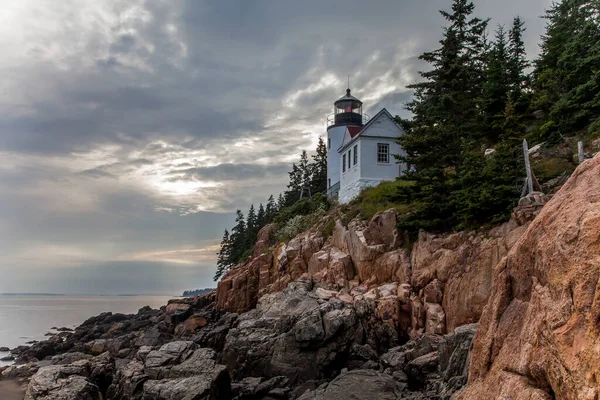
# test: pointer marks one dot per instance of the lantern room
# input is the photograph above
(347, 110)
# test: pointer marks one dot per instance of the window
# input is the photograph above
(328, 143)
(344, 164)
(383, 153)
(349, 158)
(355, 154)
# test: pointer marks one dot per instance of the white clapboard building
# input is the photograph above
(360, 151)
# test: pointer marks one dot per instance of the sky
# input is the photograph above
(131, 130)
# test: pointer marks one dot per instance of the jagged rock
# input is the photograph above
(538, 337)
(263, 239)
(159, 362)
(435, 319)
(290, 334)
(381, 229)
(358, 385)
(69, 358)
(128, 382)
(60, 382)
(213, 335)
(190, 325)
(83, 379)
(434, 292)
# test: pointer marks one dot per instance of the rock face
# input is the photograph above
(295, 333)
(539, 335)
(359, 385)
(358, 315)
(445, 282)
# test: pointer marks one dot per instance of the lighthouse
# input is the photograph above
(347, 117)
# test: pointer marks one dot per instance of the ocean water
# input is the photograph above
(24, 317)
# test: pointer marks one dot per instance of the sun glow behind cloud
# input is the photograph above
(131, 130)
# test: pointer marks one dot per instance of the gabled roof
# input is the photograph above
(352, 137)
(354, 130)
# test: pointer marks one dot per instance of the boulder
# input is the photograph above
(357, 385)
(294, 333)
(539, 337)
(59, 382)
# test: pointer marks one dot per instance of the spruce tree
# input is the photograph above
(294, 186)
(517, 62)
(238, 238)
(260, 217)
(496, 87)
(280, 202)
(223, 256)
(304, 170)
(445, 119)
(270, 210)
(566, 76)
(251, 228)
(318, 181)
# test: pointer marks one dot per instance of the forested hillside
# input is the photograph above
(480, 96)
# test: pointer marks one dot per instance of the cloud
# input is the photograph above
(131, 133)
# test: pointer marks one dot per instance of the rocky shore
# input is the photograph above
(361, 314)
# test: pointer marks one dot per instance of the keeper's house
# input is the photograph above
(360, 151)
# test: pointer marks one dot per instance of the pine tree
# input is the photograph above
(223, 256)
(445, 119)
(270, 210)
(238, 239)
(251, 228)
(294, 186)
(305, 170)
(497, 86)
(566, 76)
(517, 60)
(318, 181)
(261, 217)
(280, 202)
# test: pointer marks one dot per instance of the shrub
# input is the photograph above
(380, 198)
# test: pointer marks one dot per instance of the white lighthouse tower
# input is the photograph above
(347, 116)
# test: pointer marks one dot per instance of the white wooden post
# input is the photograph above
(528, 167)
(580, 152)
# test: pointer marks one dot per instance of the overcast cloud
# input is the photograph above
(131, 130)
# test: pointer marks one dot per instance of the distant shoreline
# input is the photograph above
(87, 295)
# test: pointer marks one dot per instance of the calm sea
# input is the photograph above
(25, 318)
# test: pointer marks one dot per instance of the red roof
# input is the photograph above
(354, 130)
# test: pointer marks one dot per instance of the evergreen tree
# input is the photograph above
(517, 61)
(567, 77)
(294, 186)
(251, 228)
(260, 217)
(318, 181)
(445, 119)
(238, 239)
(270, 210)
(496, 87)
(304, 170)
(223, 256)
(280, 202)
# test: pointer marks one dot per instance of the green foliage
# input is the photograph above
(567, 73)
(298, 224)
(551, 168)
(302, 207)
(380, 198)
(328, 228)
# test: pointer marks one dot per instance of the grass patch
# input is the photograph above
(551, 168)
(380, 198)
